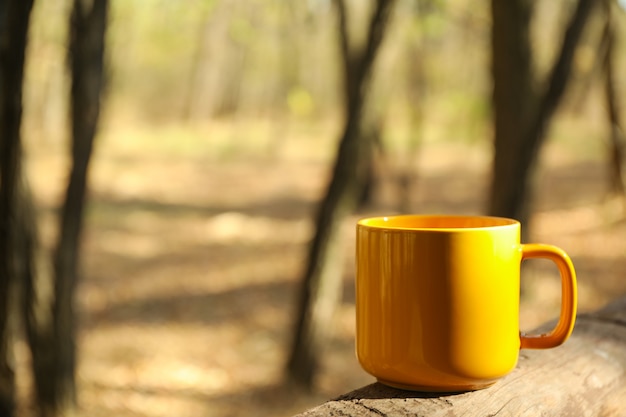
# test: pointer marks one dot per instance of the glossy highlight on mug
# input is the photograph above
(437, 300)
(441, 223)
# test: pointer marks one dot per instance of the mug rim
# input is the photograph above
(471, 222)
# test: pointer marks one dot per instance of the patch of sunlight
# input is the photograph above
(217, 140)
(137, 402)
(591, 230)
(237, 227)
(568, 220)
(162, 360)
(176, 375)
(129, 244)
(449, 156)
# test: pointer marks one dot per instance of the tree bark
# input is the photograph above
(199, 60)
(616, 132)
(513, 97)
(87, 41)
(52, 338)
(321, 283)
(14, 22)
(418, 47)
(520, 120)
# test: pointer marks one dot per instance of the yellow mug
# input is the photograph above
(437, 300)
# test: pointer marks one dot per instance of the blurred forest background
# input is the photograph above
(217, 135)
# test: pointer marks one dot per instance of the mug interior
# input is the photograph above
(430, 222)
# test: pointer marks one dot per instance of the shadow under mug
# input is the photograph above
(437, 300)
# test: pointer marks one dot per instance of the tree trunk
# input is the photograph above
(417, 48)
(616, 132)
(236, 55)
(37, 292)
(87, 38)
(513, 97)
(199, 60)
(321, 284)
(14, 21)
(521, 120)
(52, 338)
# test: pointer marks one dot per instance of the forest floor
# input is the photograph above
(192, 262)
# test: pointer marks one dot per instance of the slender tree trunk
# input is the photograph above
(199, 61)
(49, 299)
(14, 21)
(38, 296)
(520, 120)
(236, 52)
(87, 38)
(322, 280)
(616, 132)
(417, 49)
(513, 97)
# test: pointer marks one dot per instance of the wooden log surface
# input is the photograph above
(586, 376)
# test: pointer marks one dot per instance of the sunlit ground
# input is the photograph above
(195, 241)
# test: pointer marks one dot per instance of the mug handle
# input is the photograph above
(569, 296)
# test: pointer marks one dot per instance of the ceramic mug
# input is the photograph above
(437, 300)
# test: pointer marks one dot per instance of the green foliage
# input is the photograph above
(199, 60)
(300, 102)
